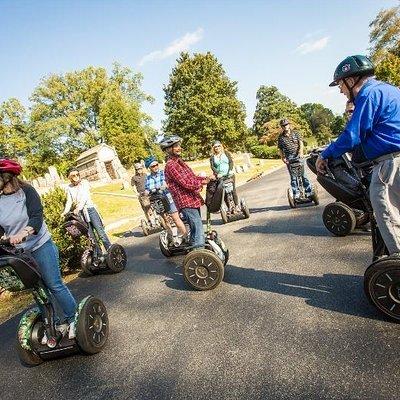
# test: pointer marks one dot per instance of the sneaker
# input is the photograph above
(71, 330)
(62, 328)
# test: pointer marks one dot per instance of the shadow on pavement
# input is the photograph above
(333, 292)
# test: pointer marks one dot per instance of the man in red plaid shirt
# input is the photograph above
(185, 187)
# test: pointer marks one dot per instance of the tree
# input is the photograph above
(271, 107)
(66, 115)
(14, 139)
(385, 45)
(201, 105)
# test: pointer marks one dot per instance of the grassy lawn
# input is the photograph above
(124, 209)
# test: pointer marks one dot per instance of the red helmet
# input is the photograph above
(11, 166)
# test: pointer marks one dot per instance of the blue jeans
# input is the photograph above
(293, 181)
(193, 217)
(98, 226)
(46, 257)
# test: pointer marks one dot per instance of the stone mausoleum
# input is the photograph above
(100, 163)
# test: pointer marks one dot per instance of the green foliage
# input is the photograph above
(74, 111)
(272, 106)
(264, 151)
(201, 105)
(70, 249)
(385, 45)
(323, 123)
(14, 139)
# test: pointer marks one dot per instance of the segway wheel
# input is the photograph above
(245, 209)
(224, 215)
(339, 219)
(27, 357)
(92, 326)
(292, 203)
(203, 269)
(86, 262)
(145, 228)
(162, 242)
(382, 286)
(116, 258)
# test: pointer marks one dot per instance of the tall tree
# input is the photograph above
(201, 104)
(271, 107)
(385, 45)
(14, 139)
(66, 111)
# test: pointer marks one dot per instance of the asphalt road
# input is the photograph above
(289, 321)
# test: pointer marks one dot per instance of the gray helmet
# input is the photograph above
(169, 141)
(138, 165)
(216, 143)
(284, 122)
(353, 66)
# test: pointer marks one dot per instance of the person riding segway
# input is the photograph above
(290, 147)
(155, 185)
(206, 255)
(29, 260)
(151, 223)
(84, 220)
(221, 163)
(375, 127)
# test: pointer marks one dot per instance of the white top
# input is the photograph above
(79, 195)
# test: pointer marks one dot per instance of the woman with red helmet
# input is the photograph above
(21, 217)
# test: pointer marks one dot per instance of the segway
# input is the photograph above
(95, 259)
(153, 222)
(19, 272)
(382, 277)
(350, 210)
(229, 210)
(203, 269)
(296, 167)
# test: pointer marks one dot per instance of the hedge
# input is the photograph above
(264, 151)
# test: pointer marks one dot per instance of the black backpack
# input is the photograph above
(214, 195)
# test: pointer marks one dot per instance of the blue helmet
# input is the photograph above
(149, 161)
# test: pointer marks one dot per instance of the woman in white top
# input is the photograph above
(78, 196)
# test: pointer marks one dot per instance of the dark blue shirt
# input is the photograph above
(374, 125)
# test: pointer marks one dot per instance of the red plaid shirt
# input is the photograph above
(183, 183)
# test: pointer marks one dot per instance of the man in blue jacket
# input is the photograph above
(374, 128)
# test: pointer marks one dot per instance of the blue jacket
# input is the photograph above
(375, 124)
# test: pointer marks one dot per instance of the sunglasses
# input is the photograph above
(154, 165)
(349, 111)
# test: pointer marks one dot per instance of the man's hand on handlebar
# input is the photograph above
(321, 165)
(19, 237)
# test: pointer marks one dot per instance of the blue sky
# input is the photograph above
(294, 45)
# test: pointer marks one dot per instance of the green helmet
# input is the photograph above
(352, 66)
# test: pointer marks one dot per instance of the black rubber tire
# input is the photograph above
(291, 201)
(382, 286)
(203, 269)
(224, 215)
(315, 197)
(226, 254)
(145, 228)
(92, 328)
(164, 250)
(339, 219)
(116, 258)
(28, 358)
(86, 262)
(245, 209)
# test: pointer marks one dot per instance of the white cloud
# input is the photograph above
(313, 45)
(175, 47)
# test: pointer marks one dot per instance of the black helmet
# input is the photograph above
(284, 122)
(353, 66)
(169, 141)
